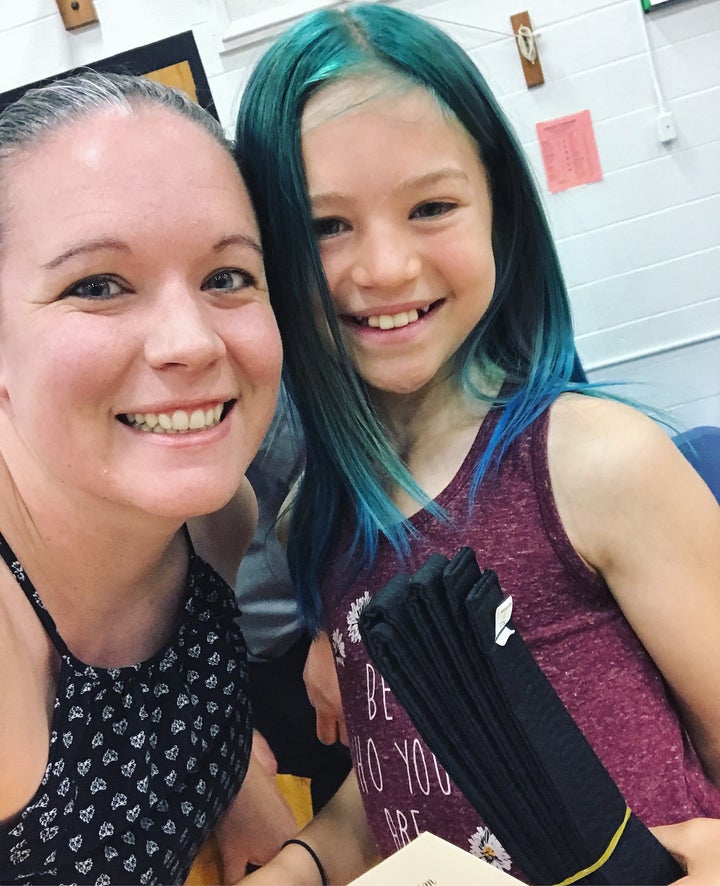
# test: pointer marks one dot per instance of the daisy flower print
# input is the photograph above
(486, 845)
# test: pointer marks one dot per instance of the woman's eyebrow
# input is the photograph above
(103, 243)
(237, 240)
(84, 247)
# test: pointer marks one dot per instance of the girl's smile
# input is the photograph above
(394, 318)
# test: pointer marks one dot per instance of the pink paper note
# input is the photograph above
(569, 151)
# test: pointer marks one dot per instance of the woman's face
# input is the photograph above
(404, 222)
(139, 356)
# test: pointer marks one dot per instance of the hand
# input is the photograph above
(263, 752)
(339, 834)
(323, 691)
(257, 823)
(696, 846)
(293, 867)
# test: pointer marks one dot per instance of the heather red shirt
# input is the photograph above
(576, 632)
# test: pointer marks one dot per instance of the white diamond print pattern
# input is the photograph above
(143, 759)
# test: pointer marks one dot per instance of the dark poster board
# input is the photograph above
(174, 60)
(650, 5)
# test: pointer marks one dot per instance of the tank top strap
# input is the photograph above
(46, 620)
(186, 533)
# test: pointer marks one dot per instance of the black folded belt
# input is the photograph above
(444, 641)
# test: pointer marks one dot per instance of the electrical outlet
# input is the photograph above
(666, 127)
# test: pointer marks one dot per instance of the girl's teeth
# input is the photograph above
(393, 321)
(179, 422)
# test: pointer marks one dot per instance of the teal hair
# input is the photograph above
(526, 334)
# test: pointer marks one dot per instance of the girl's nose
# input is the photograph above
(182, 331)
(385, 260)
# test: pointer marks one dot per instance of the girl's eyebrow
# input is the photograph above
(406, 184)
(84, 247)
(432, 178)
(317, 200)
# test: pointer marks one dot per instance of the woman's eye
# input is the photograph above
(328, 227)
(432, 209)
(97, 287)
(229, 280)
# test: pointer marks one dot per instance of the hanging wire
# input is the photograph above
(447, 21)
(525, 37)
(651, 61)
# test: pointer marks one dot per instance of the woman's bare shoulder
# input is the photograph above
(25, 681)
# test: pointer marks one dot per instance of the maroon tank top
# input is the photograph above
(573, 627)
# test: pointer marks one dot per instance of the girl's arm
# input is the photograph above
(696, 845)
(340, 836)
(258, 821)
(638, 513)
(323, 690)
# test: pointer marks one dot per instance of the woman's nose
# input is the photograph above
(182, 331)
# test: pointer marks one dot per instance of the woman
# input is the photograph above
(140, 366)
(429, 349)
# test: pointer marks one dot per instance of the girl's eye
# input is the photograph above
(328, 227)
(432, 209)
(98, 287)
(229, 280)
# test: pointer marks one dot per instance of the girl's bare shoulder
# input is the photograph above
(591, 439)
(614, 472)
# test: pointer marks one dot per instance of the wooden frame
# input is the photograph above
(174, 60)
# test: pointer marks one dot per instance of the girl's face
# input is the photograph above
(139, 356)
(404, 222)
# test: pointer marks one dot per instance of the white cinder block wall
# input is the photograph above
(640, 249)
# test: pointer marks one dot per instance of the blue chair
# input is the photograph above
(701, 447)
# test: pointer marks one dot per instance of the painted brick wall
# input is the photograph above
(640, 249)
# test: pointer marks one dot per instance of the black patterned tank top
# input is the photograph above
(142, 759)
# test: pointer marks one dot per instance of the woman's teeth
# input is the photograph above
(177, 422)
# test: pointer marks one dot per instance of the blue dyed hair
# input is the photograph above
(526, 333)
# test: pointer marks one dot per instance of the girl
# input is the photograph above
(429, 349)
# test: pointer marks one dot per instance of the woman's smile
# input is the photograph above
(177, 421)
